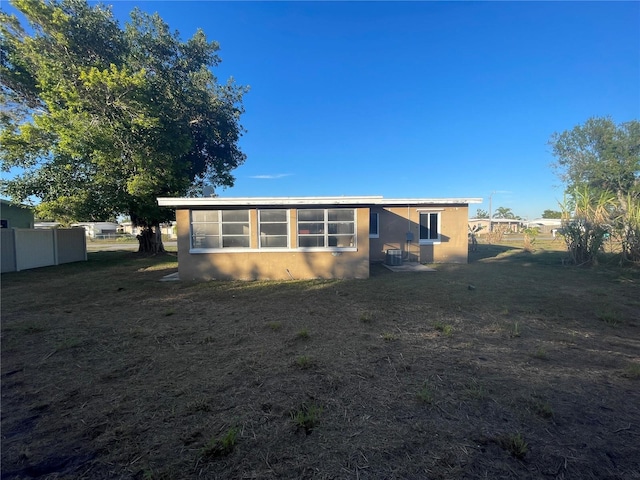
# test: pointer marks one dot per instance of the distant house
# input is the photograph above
(15, 216)
(545, 225)
(98, 229)
(506, 224)
(167, 229)
(127, 228)
(314, 237)
(42, 225)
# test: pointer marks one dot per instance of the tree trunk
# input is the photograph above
(150, 241)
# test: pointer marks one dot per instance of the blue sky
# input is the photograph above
(416, 99)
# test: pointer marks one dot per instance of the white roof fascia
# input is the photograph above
(277, 201)
(427, 201)
(251, 201)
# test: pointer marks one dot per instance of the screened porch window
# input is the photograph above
(220, 229)
(326, 228)
(273, 226)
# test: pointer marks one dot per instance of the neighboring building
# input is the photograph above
(44, 225)
(314, 237)
(167, 229)
(545, 225)
(98, 229)
(15, 216)
(506, 224)
(127, 228)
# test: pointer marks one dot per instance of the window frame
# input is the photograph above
(287, 223)
(220, 235)
(438, 238)
(326, 231)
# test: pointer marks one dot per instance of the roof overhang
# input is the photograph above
(293, 201)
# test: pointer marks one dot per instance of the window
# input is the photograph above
(326, 228)
(273, 226)
(429, 227)
(374, 218)
(220, 229)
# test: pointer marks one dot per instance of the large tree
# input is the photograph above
(600, 155)
(100, 120)
(600, 163)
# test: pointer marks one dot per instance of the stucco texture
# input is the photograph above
(396, 222)
(285, 264)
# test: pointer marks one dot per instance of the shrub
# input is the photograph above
(529, 238)
(586, 232)
(628, 229)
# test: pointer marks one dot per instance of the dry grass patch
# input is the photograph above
(109, 373)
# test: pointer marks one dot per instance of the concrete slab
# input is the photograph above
(172, 277)
(410, 267)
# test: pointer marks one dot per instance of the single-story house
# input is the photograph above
(545, 225)
(510, 225)
(98, 229)
(45, 225)
(314, 237)
(127, 228)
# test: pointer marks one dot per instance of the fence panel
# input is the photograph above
(24, 248)
(71, 244)
(8, 252)
(34, 248)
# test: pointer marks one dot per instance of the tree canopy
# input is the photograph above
(100, 120)
(600, 163)
(504, 212)
(552, 214)
(600, 155)
(480, 213)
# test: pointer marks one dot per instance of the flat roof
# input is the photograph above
(282, 201)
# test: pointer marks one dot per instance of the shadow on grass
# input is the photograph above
(516, 254)
(489, 251)
(107, 262)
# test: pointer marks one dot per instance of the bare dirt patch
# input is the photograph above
(513, 366)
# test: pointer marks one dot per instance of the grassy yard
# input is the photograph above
(513, 366)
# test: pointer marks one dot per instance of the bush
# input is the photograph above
(628, 229)
(586, 232)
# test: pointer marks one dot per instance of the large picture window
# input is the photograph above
(429, 227)
(326, 228)
(273, 226)
(220, 229)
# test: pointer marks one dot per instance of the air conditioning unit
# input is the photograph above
(394, 257)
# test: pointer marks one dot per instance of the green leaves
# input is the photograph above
(600, 154)
(552, 214)
(600, 162)
(103, 119)
(504, 212)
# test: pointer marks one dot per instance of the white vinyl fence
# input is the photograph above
(25, 248)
